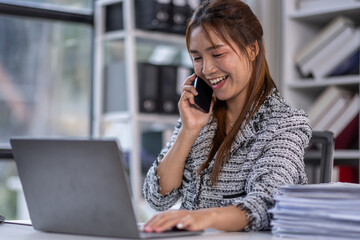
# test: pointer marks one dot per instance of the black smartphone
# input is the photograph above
(204, 97)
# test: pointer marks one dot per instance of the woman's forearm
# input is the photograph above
(231, 218)
(171, 168)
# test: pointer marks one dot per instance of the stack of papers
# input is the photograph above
(317, 211)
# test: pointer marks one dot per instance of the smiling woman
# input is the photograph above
(222, 63)
(227, 165)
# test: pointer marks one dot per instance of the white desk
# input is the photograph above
(21, 232)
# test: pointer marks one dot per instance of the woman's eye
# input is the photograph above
(196, 58)
(218, 55)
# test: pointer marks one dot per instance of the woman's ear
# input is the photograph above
(253, 50)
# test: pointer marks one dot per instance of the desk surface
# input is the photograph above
(20, 232)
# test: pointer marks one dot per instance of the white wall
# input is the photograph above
(269, 14)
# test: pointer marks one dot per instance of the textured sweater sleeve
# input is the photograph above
(280, 162)
(151, 185)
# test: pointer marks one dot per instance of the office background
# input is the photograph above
(82, 68)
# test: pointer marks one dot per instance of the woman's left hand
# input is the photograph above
(182, 219)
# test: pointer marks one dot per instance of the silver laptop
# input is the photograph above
(78, 186)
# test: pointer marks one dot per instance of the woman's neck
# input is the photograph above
(234, 108)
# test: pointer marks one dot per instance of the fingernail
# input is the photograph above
(147, 229)
(157, 229)
(196, 93)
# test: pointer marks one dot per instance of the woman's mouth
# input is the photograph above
(218, 82)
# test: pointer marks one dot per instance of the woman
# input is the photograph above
(226, 165)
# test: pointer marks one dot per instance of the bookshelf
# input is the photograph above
(300, 25)
(120, 50)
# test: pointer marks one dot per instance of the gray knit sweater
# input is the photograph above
(267, 154)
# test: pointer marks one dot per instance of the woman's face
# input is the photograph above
(226, 70)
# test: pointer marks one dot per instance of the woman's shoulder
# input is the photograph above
(276, 106)
(276, 112)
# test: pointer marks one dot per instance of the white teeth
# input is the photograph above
(216, 80)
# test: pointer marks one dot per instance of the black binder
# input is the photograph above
(181, 13)
(151, 145)
(114, 17)
(168, 97)
(148, 86)
(153, 15)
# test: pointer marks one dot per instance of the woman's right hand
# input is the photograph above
(191, 118)
(171, 168)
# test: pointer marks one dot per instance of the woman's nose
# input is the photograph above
(208, 67)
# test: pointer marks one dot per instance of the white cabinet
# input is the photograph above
(116, 106)
(301, 23)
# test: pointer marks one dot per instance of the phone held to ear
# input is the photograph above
(204, 97)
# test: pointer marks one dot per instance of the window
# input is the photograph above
(45, 78)
(64, 4)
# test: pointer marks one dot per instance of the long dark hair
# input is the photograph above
(233, 20)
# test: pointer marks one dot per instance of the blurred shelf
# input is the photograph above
(347, 154)
(152, 36)
(114, 35)
(159, 118)
(117, 117)
(323, 14)
(331, 81)
(161, 37)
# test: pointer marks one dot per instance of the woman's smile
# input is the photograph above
(217, 83)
